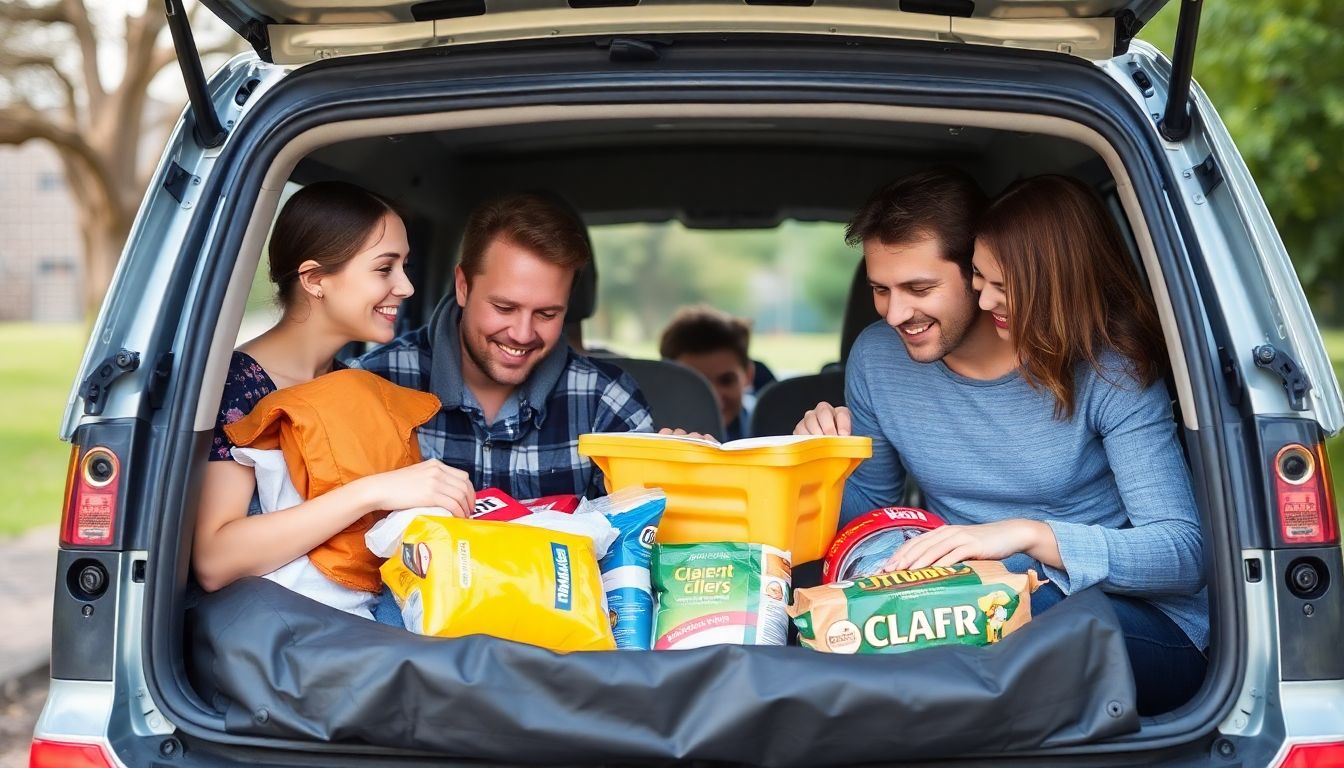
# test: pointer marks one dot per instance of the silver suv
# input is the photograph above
(721, 114)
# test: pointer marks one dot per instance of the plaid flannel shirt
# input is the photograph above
(531, 449)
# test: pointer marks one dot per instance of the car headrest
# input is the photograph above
(859, 311)
(583, 295)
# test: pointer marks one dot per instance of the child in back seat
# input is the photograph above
(715, 344)
(337, 258)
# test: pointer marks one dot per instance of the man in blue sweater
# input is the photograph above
(1101, 498)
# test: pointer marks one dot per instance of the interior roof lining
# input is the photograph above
(326, 135)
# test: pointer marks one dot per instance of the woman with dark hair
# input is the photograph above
(337, 258)
(1099, 492)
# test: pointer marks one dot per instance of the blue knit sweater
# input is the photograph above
(1111, 482)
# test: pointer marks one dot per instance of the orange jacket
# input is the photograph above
(334, 429)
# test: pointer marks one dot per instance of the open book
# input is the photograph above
(768, 441)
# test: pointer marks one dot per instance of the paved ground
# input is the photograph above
(20, 703)
(26, 584)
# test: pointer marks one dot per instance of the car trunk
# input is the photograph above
(742, 131)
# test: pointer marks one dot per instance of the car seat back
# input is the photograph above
(678, 396)
(859, 312)
(781, 405)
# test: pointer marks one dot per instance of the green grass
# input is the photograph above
(34, 382)
(1334, 447)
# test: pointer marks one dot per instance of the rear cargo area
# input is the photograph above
(271, 668)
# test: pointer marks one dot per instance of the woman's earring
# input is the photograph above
(319, 293)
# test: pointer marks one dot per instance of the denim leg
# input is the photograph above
(1045, 596)
(1168, 668)
(385, 610)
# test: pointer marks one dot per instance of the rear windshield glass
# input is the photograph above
(790, 281)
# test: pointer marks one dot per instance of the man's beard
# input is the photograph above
(480, 356)
(952, 331)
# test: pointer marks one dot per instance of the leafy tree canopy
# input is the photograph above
(1275, 70)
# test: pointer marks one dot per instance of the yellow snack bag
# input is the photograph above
(457, 577)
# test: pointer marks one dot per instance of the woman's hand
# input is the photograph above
(431, 483)
(987, 541)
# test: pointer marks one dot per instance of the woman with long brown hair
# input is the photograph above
(1092, 484)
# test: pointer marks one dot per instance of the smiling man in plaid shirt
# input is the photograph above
(515, 397)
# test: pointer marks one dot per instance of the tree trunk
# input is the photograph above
(103, 248)
(104, 222)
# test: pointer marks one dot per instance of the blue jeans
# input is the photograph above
(385, 611)
(1168, 668)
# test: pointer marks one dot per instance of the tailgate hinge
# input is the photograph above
(254, 32)
(176, 181)
(1208, 174)
(95, 386)
(1127, 25)
(1278, 362)
(207, 128)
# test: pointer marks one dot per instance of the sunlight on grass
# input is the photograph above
(33, 387)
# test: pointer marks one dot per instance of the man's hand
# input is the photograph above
(987, 541)
(683, 433)
(825, 419)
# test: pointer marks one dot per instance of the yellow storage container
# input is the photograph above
(781, 491)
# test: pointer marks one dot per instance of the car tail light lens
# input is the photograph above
(62, 754)
(1303, 497)
(91, 497)
(1314, 756)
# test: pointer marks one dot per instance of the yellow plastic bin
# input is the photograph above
(780, 491)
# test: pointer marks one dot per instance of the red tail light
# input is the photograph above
(1303, 495)
(1314, 756)
(61, 754)
(91, 498)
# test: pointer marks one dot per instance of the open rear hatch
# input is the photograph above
(300, 31)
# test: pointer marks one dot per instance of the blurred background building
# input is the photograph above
(39, 238)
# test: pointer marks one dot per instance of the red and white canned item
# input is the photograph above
(868, 540)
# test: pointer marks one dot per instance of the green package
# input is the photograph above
(972, 603)
(720, 592)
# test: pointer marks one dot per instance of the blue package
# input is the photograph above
(634, 513)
